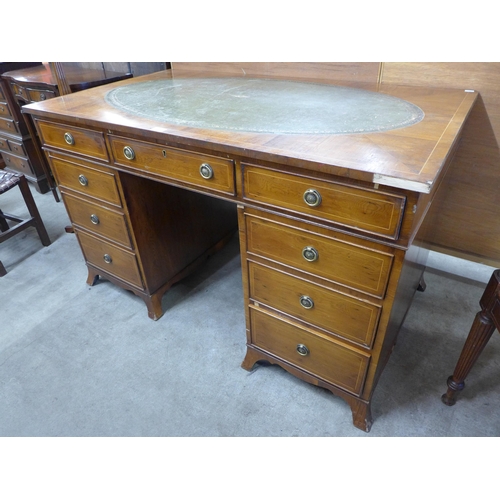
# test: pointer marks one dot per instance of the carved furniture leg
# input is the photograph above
(480, 333)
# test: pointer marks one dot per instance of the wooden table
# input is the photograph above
(330, 217)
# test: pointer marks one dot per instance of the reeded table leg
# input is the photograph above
(480, 333)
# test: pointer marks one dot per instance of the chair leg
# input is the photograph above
(33, 210)
(483, 326)
(4, 226)
(3, 272)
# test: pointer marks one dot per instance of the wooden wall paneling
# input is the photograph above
(363, 72)
(466, 213)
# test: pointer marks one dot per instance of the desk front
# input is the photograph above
(328, 186)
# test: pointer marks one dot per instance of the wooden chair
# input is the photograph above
(480, 333)
(9, 180)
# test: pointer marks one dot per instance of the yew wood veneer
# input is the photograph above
(330, 224)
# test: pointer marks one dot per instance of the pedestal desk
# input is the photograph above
(330, 186)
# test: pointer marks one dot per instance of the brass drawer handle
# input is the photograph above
(94, 219)
(312, 197)
(107, 258)
(206, 171)
(302, 349)
(306, 302)
(129, 153)
(69, 139)
(83, 180)
(310, 254)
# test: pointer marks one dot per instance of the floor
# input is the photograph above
(78, 361)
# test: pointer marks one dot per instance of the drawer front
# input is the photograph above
(331, 361)
(99, 184)
(366, 210)
(122, 264)
(175, 164)
(20, 91)
(4, 145)
(345, 316)
(17, 148)
(98, 219)
(5, 110)
(74, 140)
(9, 126)
(37, 95)
(21, 165)
(354, 266)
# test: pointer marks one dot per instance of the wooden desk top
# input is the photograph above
(409, 158)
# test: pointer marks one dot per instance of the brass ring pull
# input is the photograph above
(302, 350)
(306, 302)
(310, 254)
(107, 258)
(83, 180)
(312, 197)
(69, 139)
(206, 171)
(129, 153)
(94, 219)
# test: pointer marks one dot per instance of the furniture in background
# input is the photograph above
(485, 323)
(331, 225)
(8, 180)
(8, 107)
(18, 143)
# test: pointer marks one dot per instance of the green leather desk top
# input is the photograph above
(264, 106)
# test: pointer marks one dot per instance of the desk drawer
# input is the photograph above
(20, 91)
(370, 211)
(5, 110)
(354, 266)
(331, 361)
(41, 95)
(341, 314)
(18, 164)
(97, 219)
(4, 145)
(97, 183)
(9, 126)
(175, 164)
(17, 148)
(74, 140)
(110, 259)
